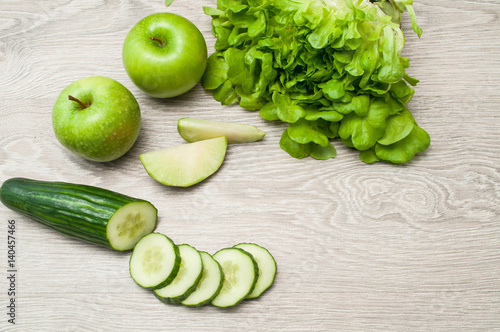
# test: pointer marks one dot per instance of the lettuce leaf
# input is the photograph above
(330, 69)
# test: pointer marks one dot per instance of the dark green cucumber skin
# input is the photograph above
(76, 210)
(180, 298)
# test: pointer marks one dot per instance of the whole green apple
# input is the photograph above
(96, 118)
(165, 55)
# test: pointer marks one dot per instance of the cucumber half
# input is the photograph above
(89, 213)
(266, 264)
(187, 278)
(209, 285)
(155, 261)
(240, 276)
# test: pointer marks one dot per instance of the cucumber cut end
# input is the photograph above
(155, 261)
(130, 223)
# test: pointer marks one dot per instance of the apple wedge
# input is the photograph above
(193, 130)
(186, 164)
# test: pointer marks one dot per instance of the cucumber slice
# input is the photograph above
(267, 267)
(209, 285)
(187, 278)
(155, 261)
(240, 275)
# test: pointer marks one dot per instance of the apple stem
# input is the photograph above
(160, 42)
(78, 101)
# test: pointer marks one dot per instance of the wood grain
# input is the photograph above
(359, 247)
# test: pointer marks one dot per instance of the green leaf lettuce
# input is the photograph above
(330, 69)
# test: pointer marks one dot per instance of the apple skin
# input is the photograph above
(169, 70)
(103, 131)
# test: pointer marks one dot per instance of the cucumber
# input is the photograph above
(92, 214)
(266, 264)
(240, 276)
(209, 285)
(155, 261)
(187, 278)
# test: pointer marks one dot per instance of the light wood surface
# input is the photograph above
(359, 247)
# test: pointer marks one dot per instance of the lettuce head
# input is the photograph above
(330, 70)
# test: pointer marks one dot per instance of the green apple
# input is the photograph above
(185, 164)
(193, 130)
(96, 118)
(165, 55)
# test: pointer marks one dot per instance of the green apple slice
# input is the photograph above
(185, 164)
(193, 130)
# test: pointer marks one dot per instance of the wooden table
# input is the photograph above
(359, 247)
